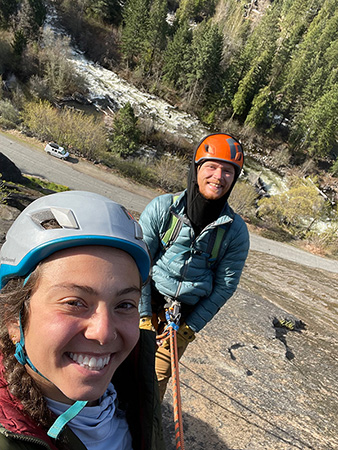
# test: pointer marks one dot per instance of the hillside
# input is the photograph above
(251, 386)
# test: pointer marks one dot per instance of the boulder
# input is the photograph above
(9, 171)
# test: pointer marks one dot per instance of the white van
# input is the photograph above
(55, 150)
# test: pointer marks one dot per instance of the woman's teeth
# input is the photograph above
(90, 362)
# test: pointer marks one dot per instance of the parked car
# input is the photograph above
(56, 150)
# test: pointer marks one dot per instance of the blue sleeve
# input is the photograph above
(227, 276)
(151, 221)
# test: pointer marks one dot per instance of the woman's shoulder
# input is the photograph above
(15, 443)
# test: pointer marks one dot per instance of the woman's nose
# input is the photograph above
(100, 327)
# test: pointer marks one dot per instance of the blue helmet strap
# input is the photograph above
(62, 420)
(20, 352)
(70, 413)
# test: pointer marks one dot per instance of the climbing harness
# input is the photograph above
(173, 315)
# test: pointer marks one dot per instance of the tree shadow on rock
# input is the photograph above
(197, 434)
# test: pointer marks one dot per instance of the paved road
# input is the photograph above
(35, 162)
(84, 176)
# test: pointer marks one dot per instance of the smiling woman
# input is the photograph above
(74, 368)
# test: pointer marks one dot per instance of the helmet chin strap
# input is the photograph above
(71, 412)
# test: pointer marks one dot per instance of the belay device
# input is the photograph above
(173, 316)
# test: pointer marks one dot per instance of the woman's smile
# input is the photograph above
(95, 363)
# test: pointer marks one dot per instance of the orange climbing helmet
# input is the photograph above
(220, 147)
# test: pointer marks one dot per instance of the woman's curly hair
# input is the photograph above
(14, 298)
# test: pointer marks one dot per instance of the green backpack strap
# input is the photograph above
(175, 226)
(214, 244)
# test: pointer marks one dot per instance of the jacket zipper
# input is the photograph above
(22, 437)
(210, 226)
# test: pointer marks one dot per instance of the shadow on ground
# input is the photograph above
(198, 435)
(73, 159)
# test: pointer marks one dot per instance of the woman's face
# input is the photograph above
(83, 321)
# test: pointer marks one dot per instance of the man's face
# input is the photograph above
(215, 178)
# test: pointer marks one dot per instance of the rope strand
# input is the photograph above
(176, 391)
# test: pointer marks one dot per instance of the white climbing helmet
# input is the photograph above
(69, 219)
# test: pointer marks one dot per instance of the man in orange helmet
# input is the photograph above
(198, 244)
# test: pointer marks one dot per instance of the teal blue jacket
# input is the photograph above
(183, 270)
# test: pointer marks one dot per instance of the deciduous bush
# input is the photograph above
(9, 116)
(78, 132)
(325, 242)
(242, 199)
(58, 72)
(171, 173)
(297, 209)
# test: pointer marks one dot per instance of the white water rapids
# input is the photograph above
(104, 84)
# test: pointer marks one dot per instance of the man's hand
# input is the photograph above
(146, 323)
(185, 335)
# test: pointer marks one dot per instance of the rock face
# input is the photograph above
(7, 216)
(15, 197)
(9, 171)
(248, 383)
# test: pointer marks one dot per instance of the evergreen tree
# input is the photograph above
(156, 37)
(316, 128)
(135, 30)
(173, 68)
(29, 19)
(195, 10)
(125, 136)
(312, 83)
(295, 17)
(255, 62)
(203, 62)
(39, 11)
(251, 84)
(260, 107)
(19, 43)
(308, 57)
(109, 11)
(7, 9)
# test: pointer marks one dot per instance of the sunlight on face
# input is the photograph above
(83, 320)
(215, 178)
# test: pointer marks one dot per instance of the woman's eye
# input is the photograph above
(74, 302)
(127, 305)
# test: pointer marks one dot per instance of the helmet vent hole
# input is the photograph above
(50, 224)
(46, 219)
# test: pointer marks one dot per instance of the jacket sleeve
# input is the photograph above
(227, 275)
(152, 221)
